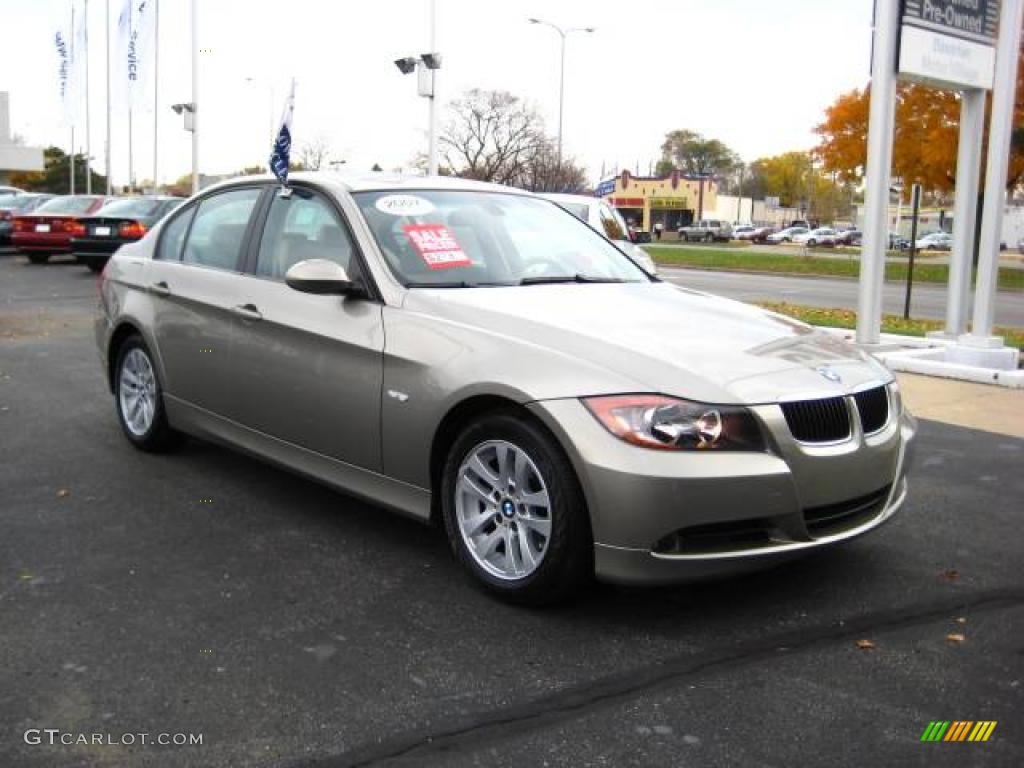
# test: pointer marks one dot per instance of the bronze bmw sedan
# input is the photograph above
(476, 355)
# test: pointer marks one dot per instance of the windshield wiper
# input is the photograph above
(577, 278)
(452, 284)
(456, 284)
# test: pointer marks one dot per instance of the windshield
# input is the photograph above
(467, 239)
(76, 204)
(136, 207)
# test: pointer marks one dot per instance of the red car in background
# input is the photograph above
(48, 230)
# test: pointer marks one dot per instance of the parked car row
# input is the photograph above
(89, 227)
(12, 205)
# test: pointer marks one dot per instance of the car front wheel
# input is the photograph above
(138, 398)
(514, 512)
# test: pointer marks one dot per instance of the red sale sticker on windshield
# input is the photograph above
(437, 246)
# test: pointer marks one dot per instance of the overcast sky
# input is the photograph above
(757, 75)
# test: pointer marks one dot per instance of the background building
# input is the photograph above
(674, 200)
(14, 157)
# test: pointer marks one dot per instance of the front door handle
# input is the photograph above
(248, 311)
(160, 289)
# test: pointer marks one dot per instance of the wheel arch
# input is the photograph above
(463, 413)
(124, 329)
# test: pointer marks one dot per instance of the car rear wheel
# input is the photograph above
(96, 265)
(514, 512)
(138, 398)
(38, 258)
(812, 242)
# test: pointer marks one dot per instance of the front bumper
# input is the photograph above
(660, 517)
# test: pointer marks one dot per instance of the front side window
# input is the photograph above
(219, 228)
(300, 227)
(465, 239)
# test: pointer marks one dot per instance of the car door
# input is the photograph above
(308, 368)
(193, 280)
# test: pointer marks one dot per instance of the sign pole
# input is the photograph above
(881, 121)
(999, 134)
(915, 202)
(965, 210)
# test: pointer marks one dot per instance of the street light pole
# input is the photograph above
(563, 34)
(432, 109)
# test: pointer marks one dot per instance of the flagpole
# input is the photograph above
(72, 70)
(195, 100)
(156, 90)
(131, 167)
(88, 139)
(110, 188)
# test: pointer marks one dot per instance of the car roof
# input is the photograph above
(372, 181)
(562, 197)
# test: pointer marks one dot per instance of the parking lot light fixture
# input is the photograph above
(563, 34)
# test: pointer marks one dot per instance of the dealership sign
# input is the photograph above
(949, 43)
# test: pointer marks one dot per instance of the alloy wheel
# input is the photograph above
(137, 392)
(503, 509)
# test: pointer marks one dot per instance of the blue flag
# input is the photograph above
(281, 154)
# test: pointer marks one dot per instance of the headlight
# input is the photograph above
(670, 424)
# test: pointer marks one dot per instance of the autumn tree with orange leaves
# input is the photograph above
(925, 143)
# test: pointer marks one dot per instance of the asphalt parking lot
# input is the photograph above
(205, 592)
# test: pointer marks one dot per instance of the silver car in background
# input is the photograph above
(606, 220)
(476, 355)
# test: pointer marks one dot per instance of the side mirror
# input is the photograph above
(320, 276)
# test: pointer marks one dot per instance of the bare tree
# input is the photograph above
(543, 173)
(314, 154)
(496, 136)
(491, 136)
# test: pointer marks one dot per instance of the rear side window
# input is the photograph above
(300, 227)
(174, 236)
(219, 228)
(613, 229)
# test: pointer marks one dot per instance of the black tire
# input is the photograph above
(96, 265)
(811, 243)
(568, 562)
(160, 437)
(38, 258)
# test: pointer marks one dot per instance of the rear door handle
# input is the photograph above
(248, 311)
(160, 289)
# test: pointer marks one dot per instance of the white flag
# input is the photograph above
(134, 52)
(72, 44)
(63, 50)
(280, 155)
(142, 55)
(120, 76)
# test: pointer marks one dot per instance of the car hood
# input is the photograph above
(665, 338)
